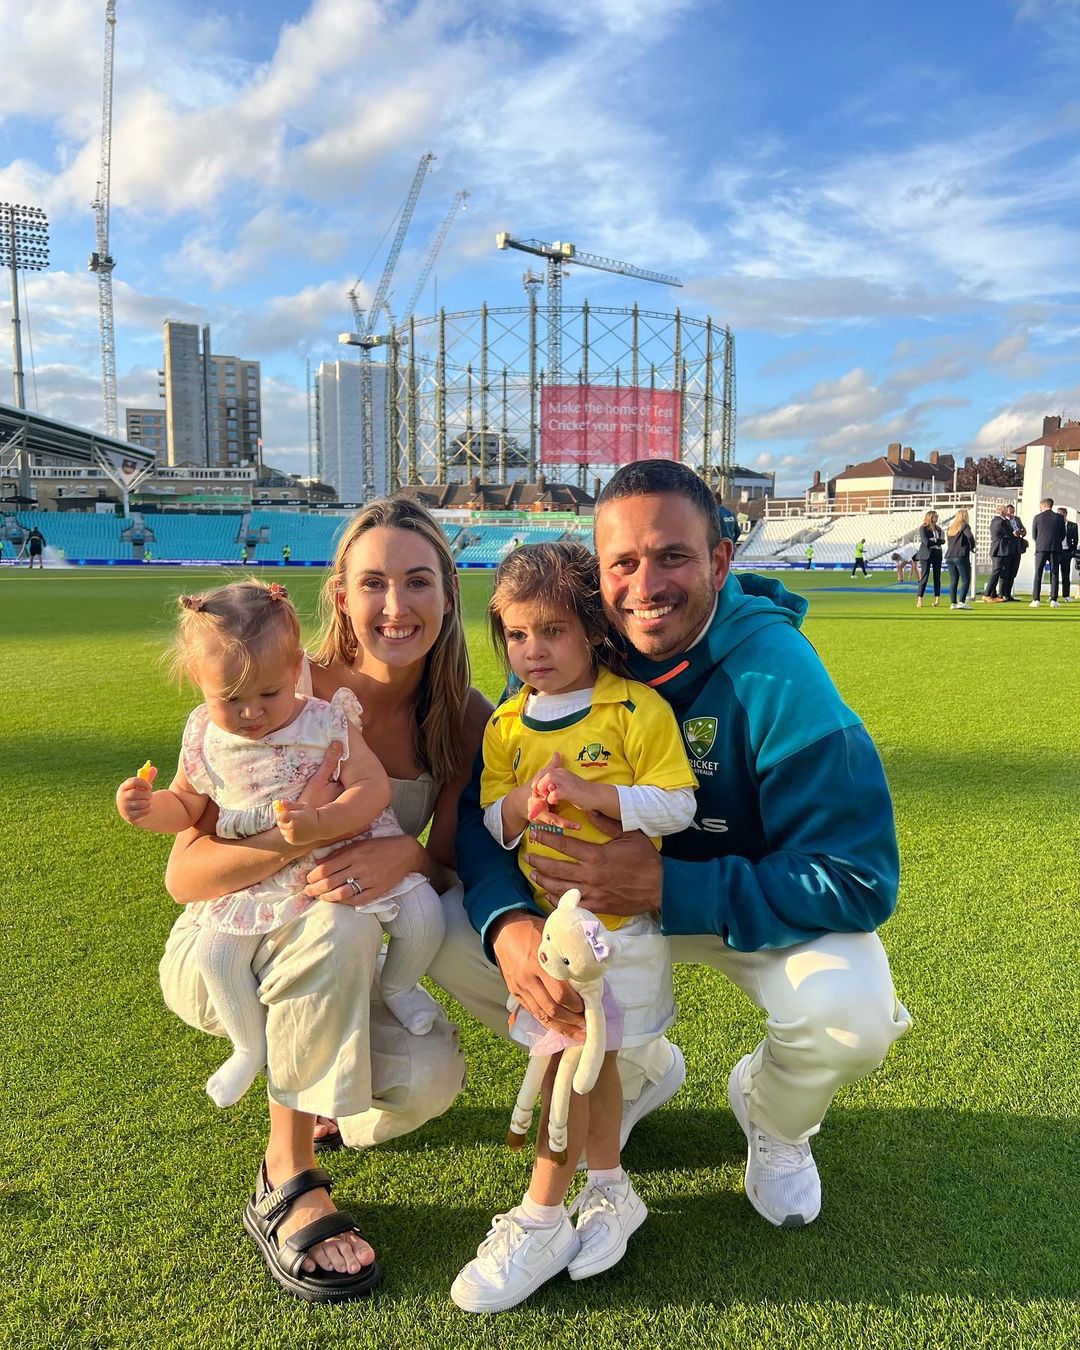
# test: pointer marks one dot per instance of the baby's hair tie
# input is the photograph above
(278, 591)
(194, 602)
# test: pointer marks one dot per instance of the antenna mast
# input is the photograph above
(101, 260)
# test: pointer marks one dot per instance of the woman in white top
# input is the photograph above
(393, 635)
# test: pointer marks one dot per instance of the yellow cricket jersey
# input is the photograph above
(628, 737)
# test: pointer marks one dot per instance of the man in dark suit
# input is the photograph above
(1068, 551)
(1020, 535)
(1003, 546)
(1048, 532)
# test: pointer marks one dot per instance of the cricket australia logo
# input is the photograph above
(593, 754)
(700, 733)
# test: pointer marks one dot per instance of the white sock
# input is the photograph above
(606, 1174)
(541, 1216)
(224, 961)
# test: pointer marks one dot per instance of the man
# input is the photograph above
(904, 557)
(35, 547)
(778, 883)
(1004, 544)
(1068, 551)
(286, 554)
(809, 557)
(860, 558)
(1020, 536)
(1048, 532)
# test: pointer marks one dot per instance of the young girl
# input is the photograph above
(575, 738)
(251, 747)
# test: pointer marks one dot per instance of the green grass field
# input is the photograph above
(951, 1195)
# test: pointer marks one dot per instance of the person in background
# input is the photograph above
(809, 558)
(931, 542)
(286, 554)
(961, 545)
(860, 558)
(243, 553)
(904, 557)
(1048, 532)
(1003, 544)
(35, 548)
(1020, 535)
(1068, 551)
(729, 522)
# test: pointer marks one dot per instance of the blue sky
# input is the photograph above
(881, 200)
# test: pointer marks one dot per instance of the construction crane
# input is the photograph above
(437, 241)
(364, 335)
(557, 256)
(101, 260)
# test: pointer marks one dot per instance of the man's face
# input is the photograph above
(658, 577)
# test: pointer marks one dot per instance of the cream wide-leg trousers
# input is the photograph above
(831, 1010)
(333, 1047)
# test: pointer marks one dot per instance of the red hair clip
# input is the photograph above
(194, 602)
(277, 591)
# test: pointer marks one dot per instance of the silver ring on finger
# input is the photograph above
(357, 889)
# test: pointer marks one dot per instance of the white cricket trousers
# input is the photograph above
(831, 1011)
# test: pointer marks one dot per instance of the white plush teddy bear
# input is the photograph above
(572, 949)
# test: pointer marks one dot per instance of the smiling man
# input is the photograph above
(788, 868)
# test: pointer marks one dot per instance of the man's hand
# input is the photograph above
(553, 1003)
(624, 877)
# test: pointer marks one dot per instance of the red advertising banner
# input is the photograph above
(599, 424)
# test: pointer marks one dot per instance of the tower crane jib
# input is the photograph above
(557, 256)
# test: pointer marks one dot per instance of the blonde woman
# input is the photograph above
(961, 545)
(393, 636)
(931, 542)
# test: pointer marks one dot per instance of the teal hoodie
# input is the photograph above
(793, 835)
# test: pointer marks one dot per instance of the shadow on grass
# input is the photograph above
(917, 1202)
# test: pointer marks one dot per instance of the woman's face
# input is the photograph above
(394, 596)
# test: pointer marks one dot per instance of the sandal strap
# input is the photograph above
(294, 1250)
(272, 1206)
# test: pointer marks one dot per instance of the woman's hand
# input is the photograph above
(624, 877)
(320, 790)
(375, 865)
(553, 1003)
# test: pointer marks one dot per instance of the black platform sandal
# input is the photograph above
(330, 1143)
(263, 1216)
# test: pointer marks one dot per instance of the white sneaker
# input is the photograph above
(782, 1181)
(608, 1213)
(1034, 604)
(653, 1095)
(1054, 604)
(512, 1262)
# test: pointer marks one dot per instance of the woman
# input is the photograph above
(958, 559)
(392, 634)
(931, 541)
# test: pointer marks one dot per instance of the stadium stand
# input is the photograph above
(771, 537)
(78, 535)
(883, 532)
(311, 538)
(487, 545)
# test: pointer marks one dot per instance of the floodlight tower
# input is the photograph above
(24, 246)
(101, 261)
(557, 256)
